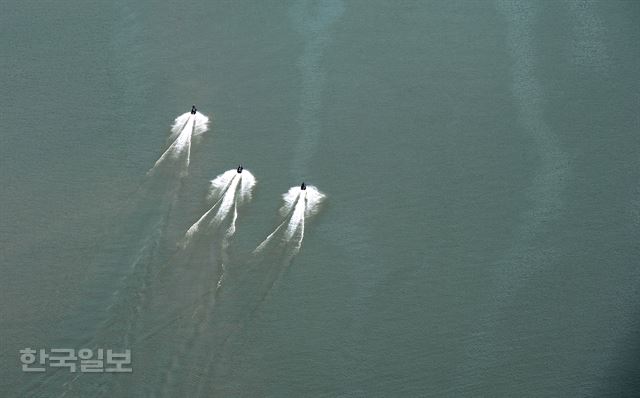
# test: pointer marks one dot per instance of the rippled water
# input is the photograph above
(470, 226)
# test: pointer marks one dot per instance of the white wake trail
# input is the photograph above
(228, 191)
(219, 187)
(264, 243)
(229, 201)
(200, 126)
(183, 131)
(297, 218)
(297, 207)
(243, 194)
(153, 203)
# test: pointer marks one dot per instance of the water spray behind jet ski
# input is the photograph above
(300, 203)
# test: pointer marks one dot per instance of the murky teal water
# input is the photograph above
(480, 231)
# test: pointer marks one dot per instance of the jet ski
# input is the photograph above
(240, 168)
(303, 187)
(193, 109)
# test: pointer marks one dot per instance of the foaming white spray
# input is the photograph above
(242, 193)
(184, 130)
(228, 191)
(298, 205)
